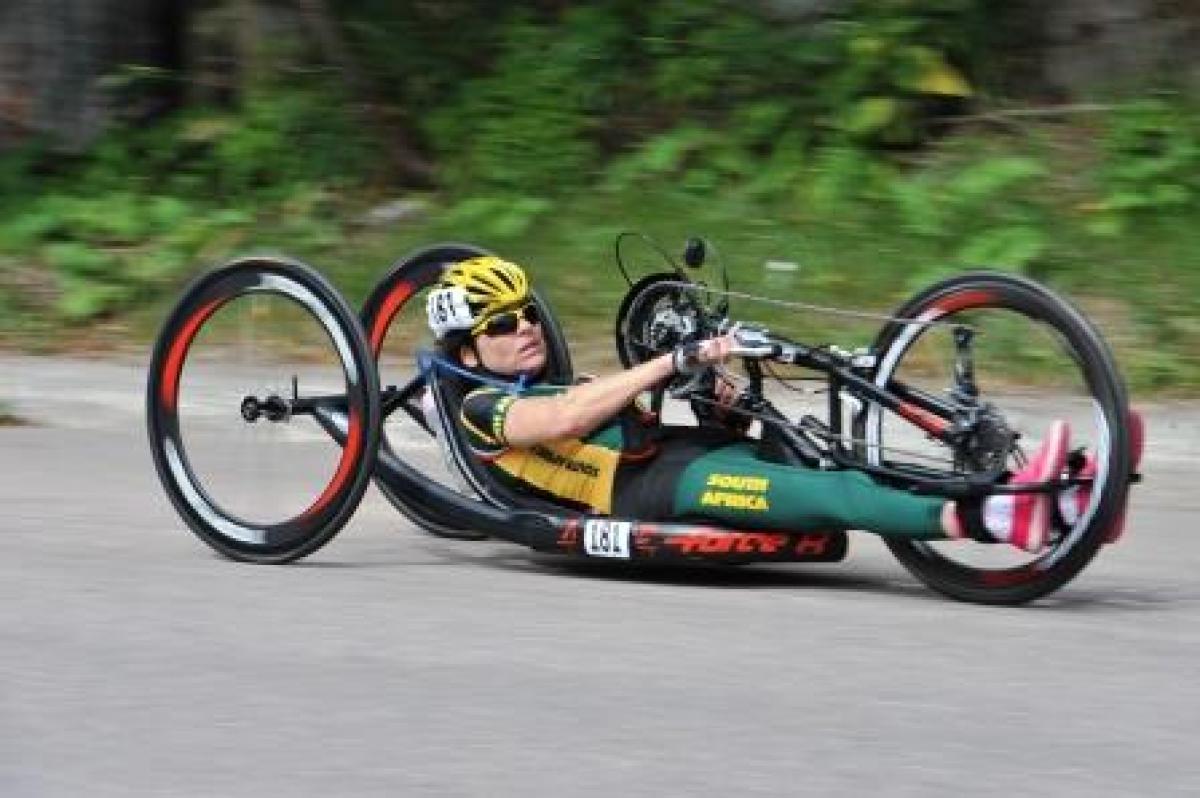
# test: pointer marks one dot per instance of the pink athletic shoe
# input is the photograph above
(1073, 501)
(1023, 519)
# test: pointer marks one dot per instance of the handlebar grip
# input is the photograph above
(755, 350)
(686, 359)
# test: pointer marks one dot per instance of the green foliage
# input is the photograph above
(525, 127)
(710, 53)
(984, 213)
(283, 138)
(819, 138)
(138, 211)
(497, 217)
(1151, 166)
(887, 59)
(842, 175)
(106, 252)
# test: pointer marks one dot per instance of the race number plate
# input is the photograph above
(602, 538)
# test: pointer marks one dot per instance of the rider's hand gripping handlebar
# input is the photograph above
(752, 342)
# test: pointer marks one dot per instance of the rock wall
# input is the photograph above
(1102, 46)
(54, 54)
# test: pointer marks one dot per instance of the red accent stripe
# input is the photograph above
(345, 466)
(169, 394)
(638, 456)
(930, 422)
(387, 311)
(1015, 576)
(962, 300)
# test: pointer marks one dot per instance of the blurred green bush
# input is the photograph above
(840, 137)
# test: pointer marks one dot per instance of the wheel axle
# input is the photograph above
(274, 407)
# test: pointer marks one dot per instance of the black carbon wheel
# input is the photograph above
(1036, 358)
(251, 478)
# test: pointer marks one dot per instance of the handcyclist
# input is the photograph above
(590, 445)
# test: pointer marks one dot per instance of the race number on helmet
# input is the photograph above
(472, 291)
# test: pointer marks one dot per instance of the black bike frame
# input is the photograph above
(934, 416)
(578, 533)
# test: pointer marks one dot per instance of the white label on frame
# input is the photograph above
(603, 538)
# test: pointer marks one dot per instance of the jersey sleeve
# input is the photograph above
(482, 417)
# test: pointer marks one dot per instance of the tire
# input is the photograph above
(395, 312)
(1037, 357)
(262, 491)
(640, 333)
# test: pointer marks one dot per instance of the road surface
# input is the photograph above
(133, 661)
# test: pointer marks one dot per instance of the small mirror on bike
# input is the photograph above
(693, 252)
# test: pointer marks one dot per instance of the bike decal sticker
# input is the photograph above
(718, 542)
(604, 538)
(813, 545)
(568, 538)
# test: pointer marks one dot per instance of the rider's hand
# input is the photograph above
(726, 391)
(716, 351)
(692, 358)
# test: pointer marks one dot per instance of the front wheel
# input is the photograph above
(1035, 358)
(248, 347)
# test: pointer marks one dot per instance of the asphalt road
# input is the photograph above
(133, 661)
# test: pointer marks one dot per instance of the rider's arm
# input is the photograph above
(582, 408)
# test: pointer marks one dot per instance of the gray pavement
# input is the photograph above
(133, 661)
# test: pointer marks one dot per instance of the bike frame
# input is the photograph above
(849, 374)
(579, 533)
(634, 539)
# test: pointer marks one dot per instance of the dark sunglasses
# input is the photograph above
(509, 321)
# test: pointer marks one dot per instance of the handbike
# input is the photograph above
(942, 402)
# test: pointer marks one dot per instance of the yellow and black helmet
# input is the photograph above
(472, 291)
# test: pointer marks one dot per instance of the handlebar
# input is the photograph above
(753, 342)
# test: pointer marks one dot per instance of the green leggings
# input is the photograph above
(730, 485)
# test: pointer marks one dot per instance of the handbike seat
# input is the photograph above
(446, 393)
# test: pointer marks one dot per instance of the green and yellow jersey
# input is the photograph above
(575, 471)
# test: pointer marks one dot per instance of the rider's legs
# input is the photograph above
(729, 484)
(733, 486)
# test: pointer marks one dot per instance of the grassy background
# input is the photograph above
(874, 148)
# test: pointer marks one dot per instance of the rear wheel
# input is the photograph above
(252, 477)
(1035, 358)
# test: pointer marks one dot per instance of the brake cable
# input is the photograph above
(859, 314)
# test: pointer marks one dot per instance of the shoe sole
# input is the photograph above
(1054, 450)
